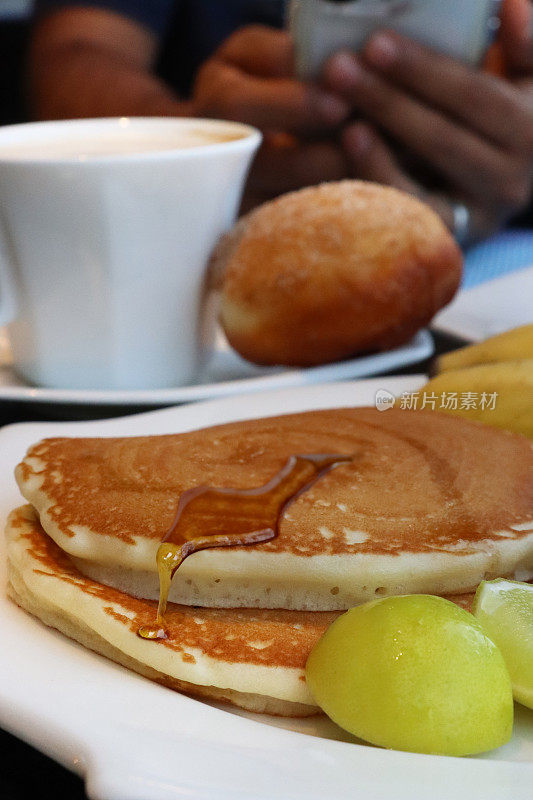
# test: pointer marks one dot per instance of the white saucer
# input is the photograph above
(225, 374)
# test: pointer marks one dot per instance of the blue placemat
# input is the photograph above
(503, 253)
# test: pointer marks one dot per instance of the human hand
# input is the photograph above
(251, 79)
(516, 41)
(474, 130)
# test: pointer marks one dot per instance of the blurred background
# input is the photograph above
(14, 30)
(505, 251)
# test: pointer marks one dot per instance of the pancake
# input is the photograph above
(254, 659)
(429, 504)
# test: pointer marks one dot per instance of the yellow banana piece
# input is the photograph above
(499, 394)
(509, 346)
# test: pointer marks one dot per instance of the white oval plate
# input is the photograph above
(489, 308)
(134, 740)
(225, 374)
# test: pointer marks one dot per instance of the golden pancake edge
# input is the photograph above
(251, 658)
(429, 504)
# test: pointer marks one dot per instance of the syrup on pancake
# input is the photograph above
(247, 516)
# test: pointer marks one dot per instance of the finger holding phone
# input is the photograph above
(473, 130)
(251, 78)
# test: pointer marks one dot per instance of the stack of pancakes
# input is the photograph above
(428, 504)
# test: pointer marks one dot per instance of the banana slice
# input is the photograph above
(498, 394)
(509, 346)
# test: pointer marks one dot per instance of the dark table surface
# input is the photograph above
(24, 772)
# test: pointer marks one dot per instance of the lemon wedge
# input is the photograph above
(505, 610)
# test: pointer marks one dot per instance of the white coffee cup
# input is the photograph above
(107, 228)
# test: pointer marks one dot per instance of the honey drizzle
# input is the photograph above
(251, 516)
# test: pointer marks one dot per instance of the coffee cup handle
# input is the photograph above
(8, 294)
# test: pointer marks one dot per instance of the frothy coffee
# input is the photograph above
(127, 141)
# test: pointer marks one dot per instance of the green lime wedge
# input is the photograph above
(505, 610)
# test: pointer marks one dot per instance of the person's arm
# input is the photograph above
(90, 62)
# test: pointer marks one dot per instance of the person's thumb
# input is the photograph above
(516, 36)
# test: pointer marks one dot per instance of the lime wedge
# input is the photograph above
(505, 610)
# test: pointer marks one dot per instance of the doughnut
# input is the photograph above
(333, 271)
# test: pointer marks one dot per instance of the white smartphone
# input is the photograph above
(462, 29)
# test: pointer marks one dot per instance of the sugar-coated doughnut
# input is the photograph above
(332, 271)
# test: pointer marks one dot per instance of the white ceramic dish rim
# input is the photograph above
(418, 349)
(134, 740)
(489, 308)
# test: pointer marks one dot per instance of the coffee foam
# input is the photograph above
(84, 146)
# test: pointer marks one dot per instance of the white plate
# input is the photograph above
(135, 740)
(491, 308)
(225, 374)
